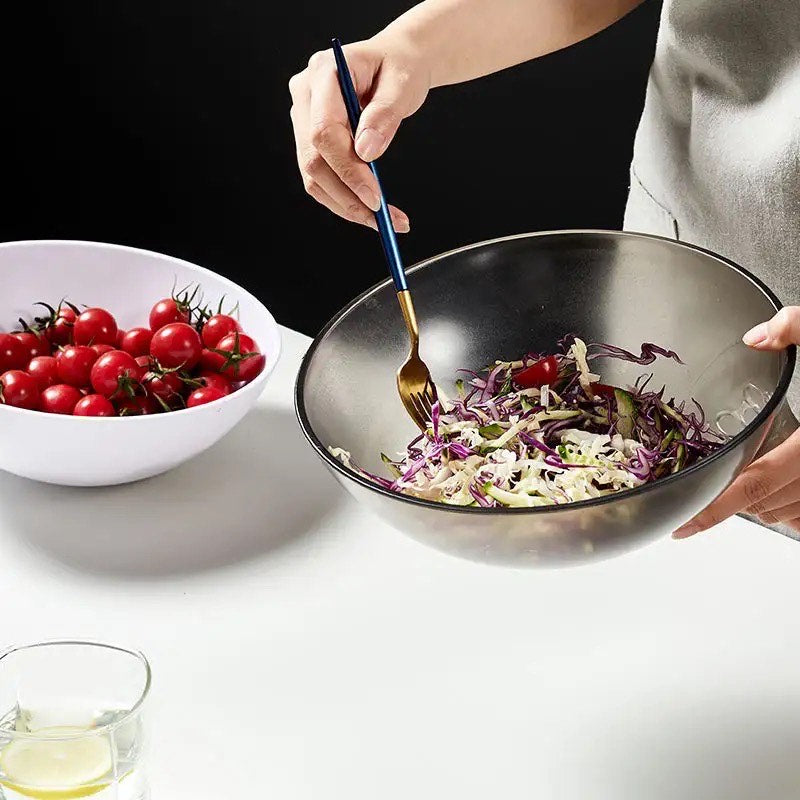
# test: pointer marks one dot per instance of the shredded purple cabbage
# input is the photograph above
(572, 440)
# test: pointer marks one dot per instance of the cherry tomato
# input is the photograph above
(215, 380)
(167, 311)
(95, 326)
(218, 327)
(144, 363)
(137, 341)
(59, 399)
(165, 386)
(603, 390)
(102, 349)
(176, 345)
(544, 371)
(33, 344)
(44, 369)
(138, 406)
(94, 405)
(236, 356)
(59, 329)
(120, 336)
(211, 361)
(114, 372)
(13, 354)
(75, 365)
(208, 394)
(19, 389)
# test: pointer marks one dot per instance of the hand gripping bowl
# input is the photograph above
(84, 451)
(500, 299)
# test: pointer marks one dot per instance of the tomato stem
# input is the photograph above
(233, 357)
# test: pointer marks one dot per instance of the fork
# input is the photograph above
(414, 382)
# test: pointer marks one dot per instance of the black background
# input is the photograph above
(166, 126)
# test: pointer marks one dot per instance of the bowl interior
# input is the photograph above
(125, 280)
(500, 299)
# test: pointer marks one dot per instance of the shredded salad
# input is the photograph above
(545, 431)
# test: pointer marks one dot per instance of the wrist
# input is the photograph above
(405, 50)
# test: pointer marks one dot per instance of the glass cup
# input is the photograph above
(71, 722)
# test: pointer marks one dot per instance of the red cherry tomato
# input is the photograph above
(215, 380)
(59, 399)
(112, 371)
(102, 349)
(544, 371)
(138, 406)
(166, 387)
(211, 361)
(120, 336)
(137, 341)
(208, 394)
(143, 362)
(218, 327)
(167, 311)
(94, 405)
(75, 365)
(237, 358)
(19, 389)
(34, 344)
(603, 390)
(59, 330)
(95, 326)
(176, 346)
(13, 353)
(44, 370)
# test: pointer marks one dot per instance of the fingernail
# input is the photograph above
(686, 531)
(369, 198)
(402, 226)
(757, 335)
(369, 144)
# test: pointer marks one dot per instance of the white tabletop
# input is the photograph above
(301, 649)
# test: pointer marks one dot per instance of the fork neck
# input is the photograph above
(409, 317)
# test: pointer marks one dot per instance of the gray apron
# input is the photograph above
(717, 155)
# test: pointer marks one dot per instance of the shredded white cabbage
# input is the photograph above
(500, 444)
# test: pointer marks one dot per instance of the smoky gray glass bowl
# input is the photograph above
(502, 298)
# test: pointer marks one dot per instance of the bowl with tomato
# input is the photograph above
(118, 364)
(487, 304)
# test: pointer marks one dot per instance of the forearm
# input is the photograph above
(465, 39)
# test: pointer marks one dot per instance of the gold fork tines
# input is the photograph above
(414, 382)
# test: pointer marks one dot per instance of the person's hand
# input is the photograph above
(770, 487)
(392, 82)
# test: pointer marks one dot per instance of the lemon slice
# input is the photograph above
(56, 769)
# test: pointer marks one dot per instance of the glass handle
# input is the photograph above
(783, 427)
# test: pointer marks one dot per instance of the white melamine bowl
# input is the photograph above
(86, 451)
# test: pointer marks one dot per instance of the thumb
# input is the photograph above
(781, 331)
(393, 100)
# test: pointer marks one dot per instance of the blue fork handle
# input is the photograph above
(382, 216)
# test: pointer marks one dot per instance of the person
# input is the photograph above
(716, 157)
